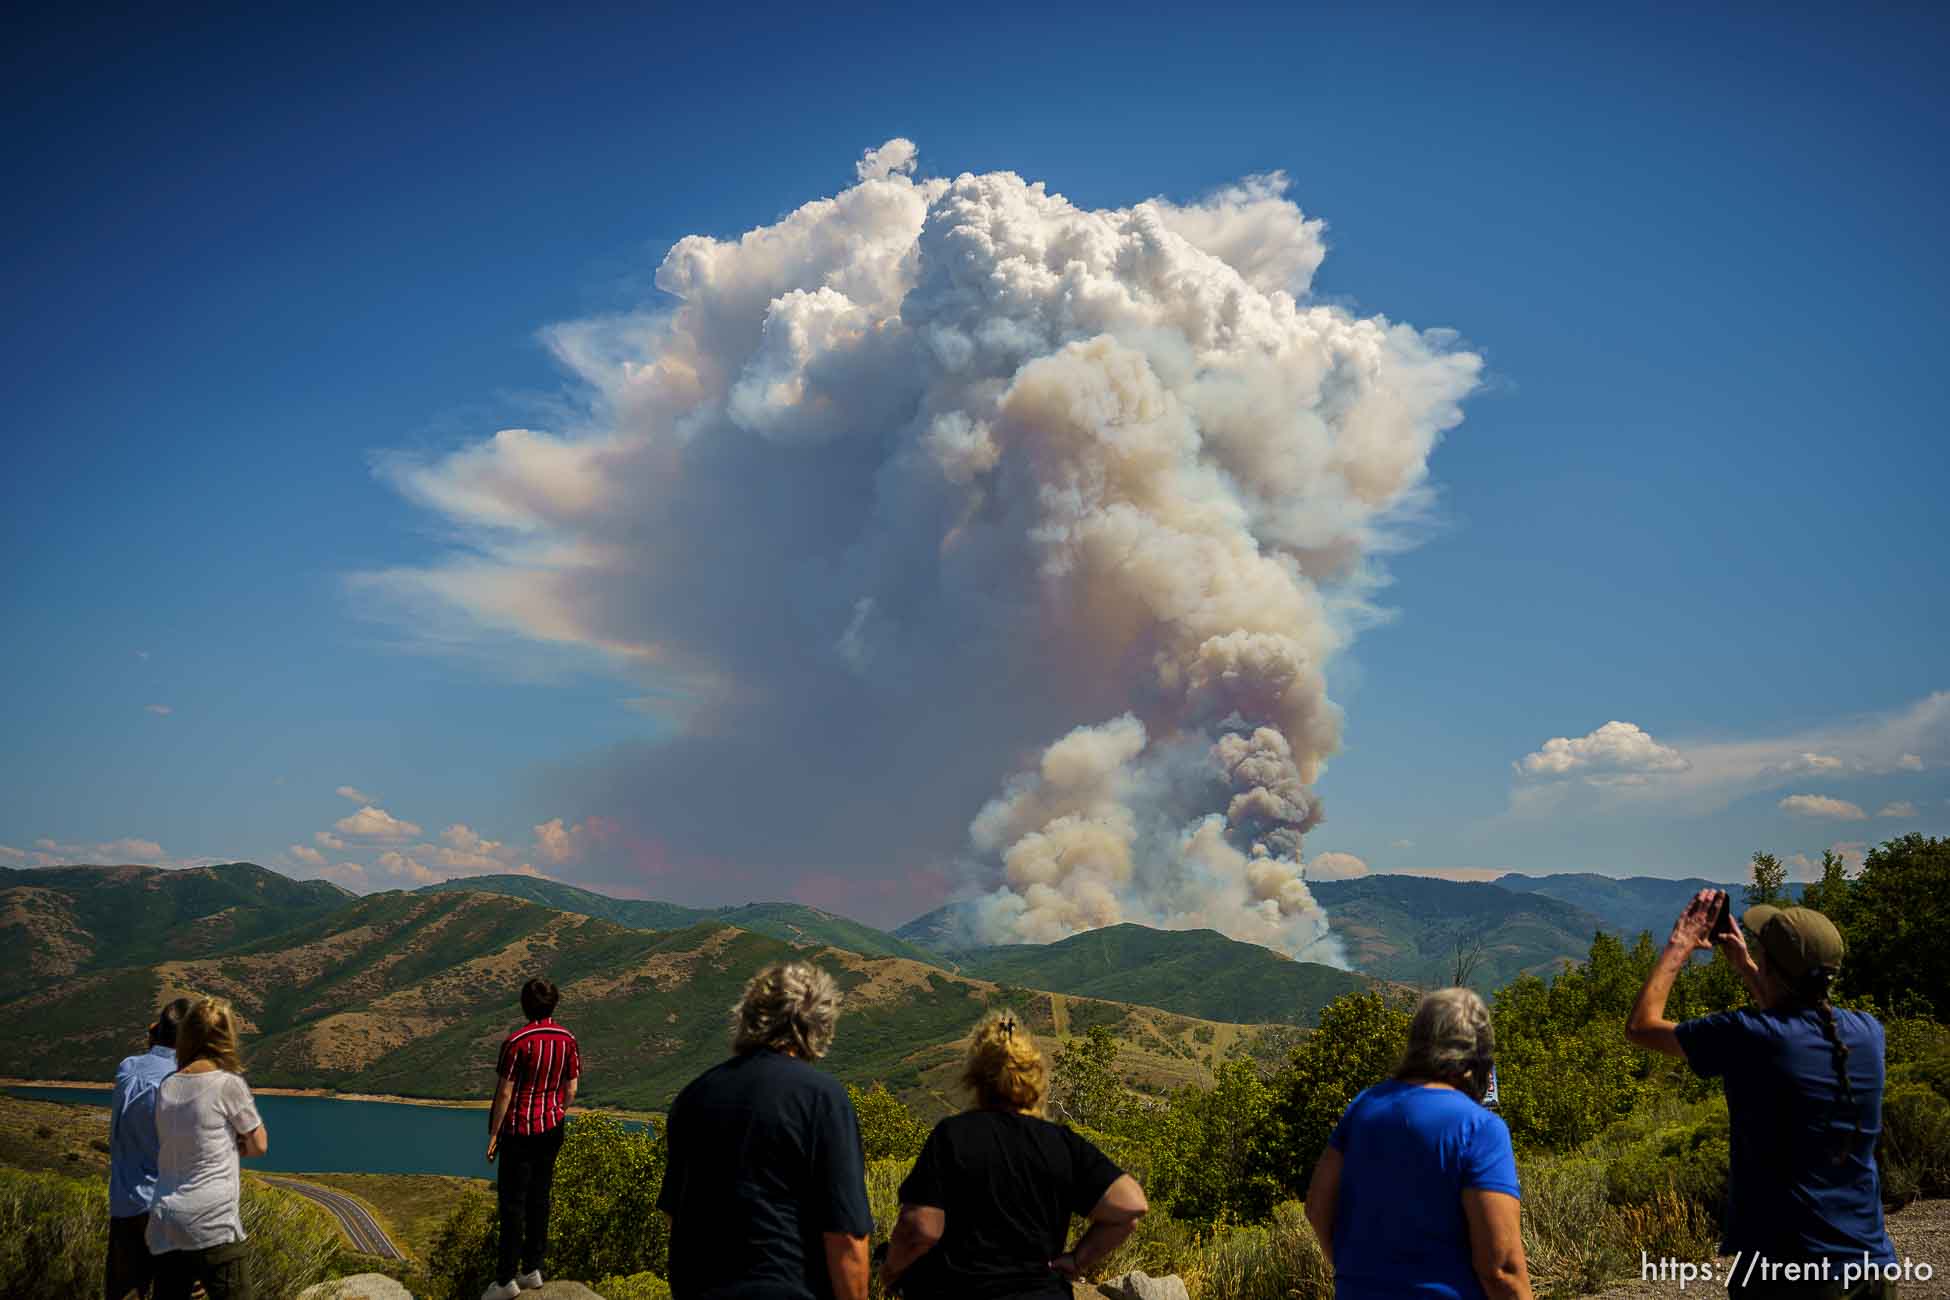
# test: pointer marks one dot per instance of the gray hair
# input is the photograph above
(789, 1007)
(1450, 1040)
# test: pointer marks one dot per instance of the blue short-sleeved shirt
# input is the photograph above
(132, 1131)
(1407, 1154)
(1788, 1197)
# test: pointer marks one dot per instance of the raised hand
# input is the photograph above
(1695, 925)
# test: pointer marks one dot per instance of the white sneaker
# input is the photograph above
(530, 1281)
(502, 1291)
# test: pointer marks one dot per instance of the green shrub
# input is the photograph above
(604, 1220)
(637, 1286)
(54, 1236)
(1914, 1151)
(1277, 1260)
(888, 1129)
(293, 1243)
(884, 1179)
(462, 1260)
(1563, 1203)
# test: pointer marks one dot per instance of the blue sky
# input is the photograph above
(1699, 491)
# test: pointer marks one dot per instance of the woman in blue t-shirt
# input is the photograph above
(1804, 1101)
(1416, 1194)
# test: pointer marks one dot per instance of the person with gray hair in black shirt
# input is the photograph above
(766, 1181)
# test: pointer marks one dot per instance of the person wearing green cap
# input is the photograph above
(1804, 1101)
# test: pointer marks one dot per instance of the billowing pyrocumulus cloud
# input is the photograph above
(950, 499)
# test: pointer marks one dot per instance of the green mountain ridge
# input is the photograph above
(794, 923)
(67, 920)
(1193, 972)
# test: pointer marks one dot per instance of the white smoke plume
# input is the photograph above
(934, 474)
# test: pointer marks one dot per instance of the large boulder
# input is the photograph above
(361, 1286)
(1139, 1285)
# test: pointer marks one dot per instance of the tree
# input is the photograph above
(1470, 951)
(1894, 926)
(1358, 1043)
(1829, 895)
(888, 1129)
(1213, 1152)
(1769, 883)
(1085, 1088)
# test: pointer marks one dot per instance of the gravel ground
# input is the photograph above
(1921, 1232)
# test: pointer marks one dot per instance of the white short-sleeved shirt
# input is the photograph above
(199, 1118)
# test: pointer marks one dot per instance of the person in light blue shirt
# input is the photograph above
(132, 1147)
(1417, 1194)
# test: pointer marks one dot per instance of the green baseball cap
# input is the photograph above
(1795, 939)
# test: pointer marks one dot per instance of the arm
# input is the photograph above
(847, 1265)
(1495, 1243)
(1112, 1220)
(1323, 1198)
(254, 1143)
(1647, 1026)
(915, 1234)
(504, 1097)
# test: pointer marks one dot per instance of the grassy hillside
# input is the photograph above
(1193, 972)
(1408, 928)
(410, 994)
(794, 923)
(68, 920)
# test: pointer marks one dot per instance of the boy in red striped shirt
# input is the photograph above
(539, 1069)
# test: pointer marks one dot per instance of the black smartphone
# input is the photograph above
(1722, 917)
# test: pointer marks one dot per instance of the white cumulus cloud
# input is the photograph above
(371, 823)
(1821, 805)
(304, 853)
(356, 795)
(1897, 808)
(160, 710)
(1613, 750)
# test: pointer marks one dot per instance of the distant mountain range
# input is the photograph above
(1626, 907)
(410, 992)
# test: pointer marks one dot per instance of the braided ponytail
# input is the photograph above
(1815, 990)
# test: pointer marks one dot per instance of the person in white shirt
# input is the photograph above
(205, 1121)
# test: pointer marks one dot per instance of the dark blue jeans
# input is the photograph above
(522, 1188)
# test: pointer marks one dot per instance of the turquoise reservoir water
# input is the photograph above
(322, 1135)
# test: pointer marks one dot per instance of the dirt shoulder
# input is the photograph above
(1920, 1230)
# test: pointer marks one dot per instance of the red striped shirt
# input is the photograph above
(541, 1057)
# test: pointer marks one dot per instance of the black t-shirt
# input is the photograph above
(1007, 1184)
(765, 1156)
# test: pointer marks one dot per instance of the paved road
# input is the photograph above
(365, 1234)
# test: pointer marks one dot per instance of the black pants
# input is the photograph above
(130, 1267)
(221, 1269)
(522, 1187)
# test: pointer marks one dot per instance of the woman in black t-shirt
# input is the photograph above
(985, 1212)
